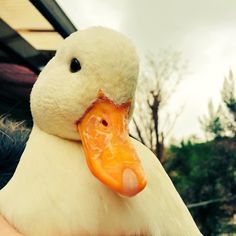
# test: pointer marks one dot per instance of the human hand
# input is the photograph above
(6, 229)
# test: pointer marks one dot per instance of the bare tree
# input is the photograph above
(212, 122)
(153, 122)
(228, 95)
(221, 122)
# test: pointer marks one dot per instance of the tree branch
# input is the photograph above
(138, 132)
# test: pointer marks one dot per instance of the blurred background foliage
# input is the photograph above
(204, 175)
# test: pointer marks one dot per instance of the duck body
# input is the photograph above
(80, 173)
(65, 199)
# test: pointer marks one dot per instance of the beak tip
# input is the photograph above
(131, 185)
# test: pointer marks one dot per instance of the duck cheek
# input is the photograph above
(109, 153)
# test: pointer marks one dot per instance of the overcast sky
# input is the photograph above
(204, 31)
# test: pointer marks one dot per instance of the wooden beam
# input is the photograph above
(12, 44)
(55, 15)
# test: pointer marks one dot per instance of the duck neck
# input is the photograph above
(45, 153)
(47, 143)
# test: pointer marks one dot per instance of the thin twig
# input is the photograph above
(211, 201)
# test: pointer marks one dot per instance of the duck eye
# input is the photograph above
(75, 65)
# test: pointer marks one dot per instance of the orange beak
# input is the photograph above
(109, 152)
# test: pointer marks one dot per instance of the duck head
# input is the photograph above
(86, 93)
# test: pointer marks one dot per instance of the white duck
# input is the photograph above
(87, 92)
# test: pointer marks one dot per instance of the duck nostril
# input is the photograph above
(104, 122)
